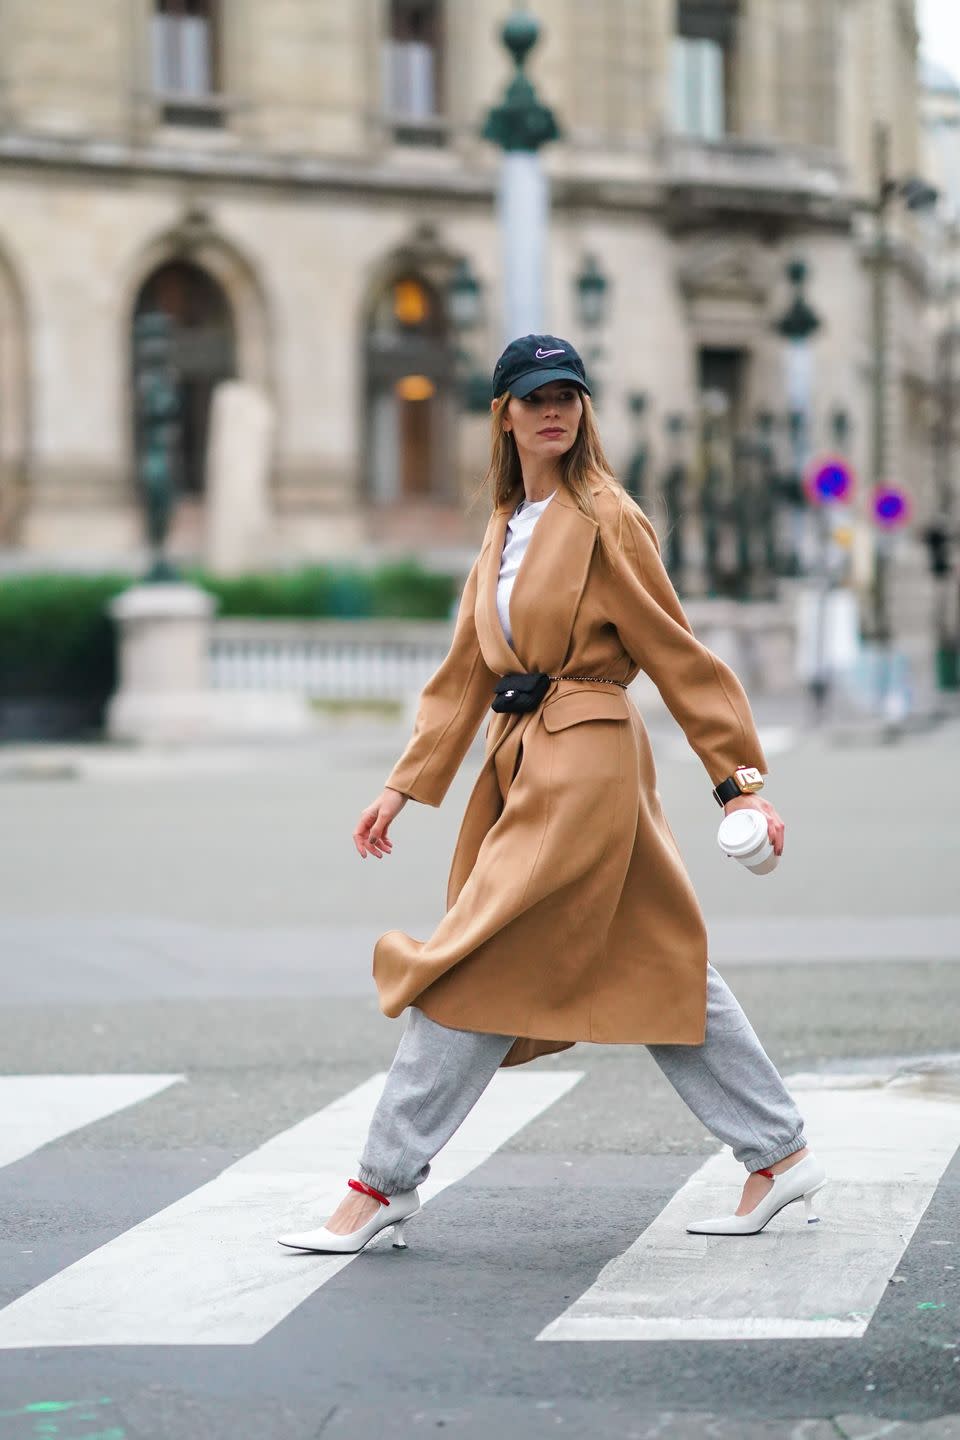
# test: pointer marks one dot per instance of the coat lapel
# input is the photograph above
(546, 590)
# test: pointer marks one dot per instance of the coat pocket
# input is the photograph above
(577, 705)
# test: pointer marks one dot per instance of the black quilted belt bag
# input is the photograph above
(521, 691)
(524, 691)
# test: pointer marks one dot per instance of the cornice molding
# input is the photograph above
(109, 157)
(678, 201)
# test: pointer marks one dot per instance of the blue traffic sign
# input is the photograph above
(891, 507)
(828, 479)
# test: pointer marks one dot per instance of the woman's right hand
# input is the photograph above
(370, 835)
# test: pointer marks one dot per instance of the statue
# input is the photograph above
(158, 433)
(715, 498)
(636, 471)
(675, 500)
(767, 508)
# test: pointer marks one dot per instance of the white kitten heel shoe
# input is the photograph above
(394, 1210)
(798, 1182)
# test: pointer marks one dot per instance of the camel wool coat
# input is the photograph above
(570, 914)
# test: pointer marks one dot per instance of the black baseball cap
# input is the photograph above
(536, 360)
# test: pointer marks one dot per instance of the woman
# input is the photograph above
(570, 915)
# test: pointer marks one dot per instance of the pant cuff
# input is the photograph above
(386, 1184)
(770, 1157)
(376, 1180)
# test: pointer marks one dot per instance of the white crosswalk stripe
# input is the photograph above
(208, 1271)
(35, 1109)
(884, 1147)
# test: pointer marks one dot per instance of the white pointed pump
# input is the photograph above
(797, 1182)
(394, 1210)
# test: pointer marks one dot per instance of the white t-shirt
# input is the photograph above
(519, 529)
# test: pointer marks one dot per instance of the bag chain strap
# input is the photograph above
(601, 679)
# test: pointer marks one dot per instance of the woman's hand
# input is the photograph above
(370, 835)
(775, 825)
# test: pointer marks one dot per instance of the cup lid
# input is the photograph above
(742, 831)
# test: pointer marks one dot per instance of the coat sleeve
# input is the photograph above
(452, 704)
(701, 692)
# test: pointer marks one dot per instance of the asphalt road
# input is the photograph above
(201, 918)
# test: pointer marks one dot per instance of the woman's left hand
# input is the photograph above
(775, 825)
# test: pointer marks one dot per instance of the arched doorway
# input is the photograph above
(203, 354)
(409, 396)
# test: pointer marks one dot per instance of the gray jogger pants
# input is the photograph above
(439, 1074)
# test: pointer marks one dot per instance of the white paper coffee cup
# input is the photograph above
(743, 836)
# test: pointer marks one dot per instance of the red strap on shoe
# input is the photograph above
(764, 1172)
(368, 1190)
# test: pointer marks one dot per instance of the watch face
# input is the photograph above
(748, 777)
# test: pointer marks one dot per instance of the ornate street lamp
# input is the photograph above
(940, 535)
(521, 125)
(592, 286)
(875, 614)
(465, 297)
(797, 327)
(466, 309)
(840, 428)
(917, 195)
(591, 289)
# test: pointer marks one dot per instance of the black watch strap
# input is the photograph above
(727, 790)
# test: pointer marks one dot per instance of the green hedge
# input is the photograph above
(401, 591)
(56, 638)
(55, 635)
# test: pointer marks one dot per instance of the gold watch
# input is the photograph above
(745, 780)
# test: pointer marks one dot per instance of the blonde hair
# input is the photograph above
(582, 466)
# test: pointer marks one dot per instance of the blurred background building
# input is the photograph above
(302, 187)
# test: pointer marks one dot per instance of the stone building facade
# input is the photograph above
(299, 184)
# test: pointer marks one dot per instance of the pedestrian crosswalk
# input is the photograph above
(207, 1271)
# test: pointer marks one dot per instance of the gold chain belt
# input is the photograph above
(600, 678)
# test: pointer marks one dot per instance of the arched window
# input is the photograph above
(203, 349)
(413, 77)
(410, 372)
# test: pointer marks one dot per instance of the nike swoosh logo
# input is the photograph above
(545, 354)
